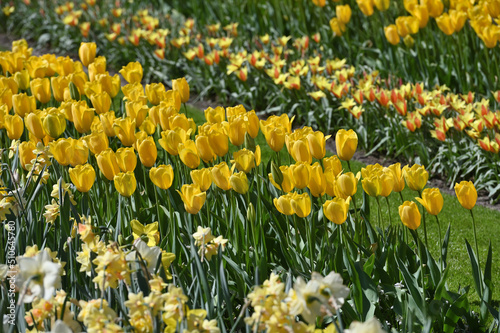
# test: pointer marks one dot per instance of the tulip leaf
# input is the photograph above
(454, 313)
(487, 284)
(412, 285)
(476, 272)
(446, 242)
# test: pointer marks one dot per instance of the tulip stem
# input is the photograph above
(379, 214)
(440, 242)
(423, 219)
(477, 252)
(401, 196)
(349, 166)
(389, 210)
(419, 244)
(185, 110)
(158, 212)
(358, 221)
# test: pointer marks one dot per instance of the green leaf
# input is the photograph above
(476, 271)
(454, 313)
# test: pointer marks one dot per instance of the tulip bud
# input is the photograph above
(83, 177)
(162, 176)
(466, 194)
(73, 91)
(276, 173)
(249, 142)
(410, 215)
(125, 183)
(251, 215)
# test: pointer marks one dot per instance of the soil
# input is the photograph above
(360, 156)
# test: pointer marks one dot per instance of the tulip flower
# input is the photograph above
(193, 198)
(372, 185)
(83, 116)
(97, 142)
(432, 200)
(40, 88)
(182, 87)
(346, 185)
(343, 13)
(107, 120)
(317, 180)
(346, 143)
(239, 182)
(275, 137)
(125, 183)
(23, 104)
(83, 177)
(391, 33)
(171, 139)
(382, 5)
(416, 177)
(317, 141)
(126, 159)
(220, 176)
(399, 182)
(287, 183)
(466, 194)
(22, 79)
(162, 176)
(189, 154)
(217, 115)
(204, 148)
(244, 160)
(147, 151)
(60, 84)
(284, 204)
(26, 154)
(386, 182)
(366, 6)
(107, 163)
(132, 72)
(300, 151)
(202, 178)
(87, 52)
(34, 125)
(155, 92)
(410, 215)
(300, 174)
(219, 142)
(236, 130)
(125, 131)
(101, 102)
(77, 151)
(14, 126)
(336, 209)
(54, 123)
(301, 204)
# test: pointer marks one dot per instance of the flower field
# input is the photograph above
(124, 209)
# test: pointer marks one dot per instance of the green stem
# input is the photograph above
(425, 224)
(389, 210)
(440, 241)
(477, 253)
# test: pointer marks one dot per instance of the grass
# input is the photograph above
(452, 214)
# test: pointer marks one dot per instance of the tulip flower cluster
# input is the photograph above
(150, 188)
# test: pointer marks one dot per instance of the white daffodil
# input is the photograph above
(148, 254)
(38, 276)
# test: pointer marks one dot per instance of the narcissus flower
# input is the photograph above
(148, 231)
(125, 183)
(193, 198)
(336, 209)
(466, 194)
(83, 177)
(410, 215)
(162, 176)
(432, 200)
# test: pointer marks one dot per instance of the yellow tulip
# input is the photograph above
(182, 87)
(391, 33)
(343, 13)
(284, 204)
(126, 159)
(87, 52)
(337, 27)
(386, 182)
(372, 185)
(125, 183)
(204, 148)
(155, 92)
(14, 126)
(346, 143)
(22, 79)
(192, 197)
(162, 176)
(220, 176)
(366, 6)
(410, 215)
(466, 194)
(275, 137)
(26, 154)
(147, 151)
(300, 151)
(336, 209)
(54, 123)
(6, 97)
(239, 182)
(287, 183)
(101, 102)
(97, 67)
(317, 142)
(59, 85)
(78, 153)
(422, 14)
(432, 200)
(219, 142)
(107, 163)
(237, 128)
(83, 116)
(458, 18)
(132, 72)
(107, 121)
(435, 7)
(301, 204)
(189, 154)
(416, 177)
(97, 142)
(445, 23)
(252, 123)
(382, 5)
(399, 181)
(40, 88)
(217, 115)
(34, 125)
(171, 139)
(300, 173)
(83, 177)
(317, 180)
(202, 177)
(125, 131)
(346, 185)
(244, 160)
(60, 149)
(333, 163)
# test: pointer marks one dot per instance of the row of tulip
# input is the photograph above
(80, 177)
